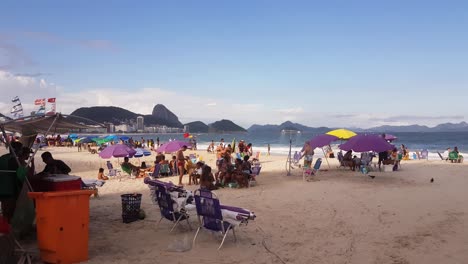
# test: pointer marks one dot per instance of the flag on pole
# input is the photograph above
(51, 108)
(17, 109)
(41, 103)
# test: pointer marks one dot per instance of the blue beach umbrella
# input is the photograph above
(140, 152)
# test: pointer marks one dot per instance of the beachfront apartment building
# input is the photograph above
(140, 124)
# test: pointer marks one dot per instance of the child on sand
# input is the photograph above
(101, 175)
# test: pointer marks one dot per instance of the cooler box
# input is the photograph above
(61, 182)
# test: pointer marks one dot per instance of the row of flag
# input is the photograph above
(17, 108)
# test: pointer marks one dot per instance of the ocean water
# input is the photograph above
(279, 143)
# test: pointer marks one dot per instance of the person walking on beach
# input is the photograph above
(308, 155)
(268, 149)
(181, 163)
(157, 142)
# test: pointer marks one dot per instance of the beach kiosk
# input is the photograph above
(62, 217)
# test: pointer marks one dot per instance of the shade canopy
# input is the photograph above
(57, 123)
(342, 133)
(322, 140)
(84, 140)
(117, 151)
(173, 146)
(362, 143)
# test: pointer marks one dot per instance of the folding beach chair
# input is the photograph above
(253, 176)
(166, 206)
(210, 216)
(425, 154)
(155, 173)
(113, 173)
(296, 158)
(164, 170)
(309, 172)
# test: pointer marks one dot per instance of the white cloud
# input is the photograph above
(188, 107)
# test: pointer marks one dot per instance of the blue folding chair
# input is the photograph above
(309, 172)
(210, 216)
(155, 173)
(166, 207)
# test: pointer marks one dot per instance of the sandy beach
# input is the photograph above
(340, 217)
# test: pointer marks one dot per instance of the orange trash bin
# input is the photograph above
(62, 225)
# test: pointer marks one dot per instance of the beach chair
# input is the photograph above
(128, 171)
(453, 157)
(309, 172)
(210, 216)
(155, 173)
(343, 164)
(253, 176)
(166, 207)
(113, 173)
(424, 154)
(193, 158)
(164, 170)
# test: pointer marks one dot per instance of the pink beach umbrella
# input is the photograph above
(173, 146)
(363, 143)
(117, 151)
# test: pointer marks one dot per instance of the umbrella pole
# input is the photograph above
(326, 158)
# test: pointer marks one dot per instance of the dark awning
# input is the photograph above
(57, 123)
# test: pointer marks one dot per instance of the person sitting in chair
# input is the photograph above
(207, 179)
(129, 168)
(348, 160)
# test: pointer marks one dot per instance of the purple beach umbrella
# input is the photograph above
(389, 137)
(322, 140)
(117, 151)
(173, 146)
(363, 142)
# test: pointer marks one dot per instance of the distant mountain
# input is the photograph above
(411, 128)
(160, 112)
(197, 127)
(288, 125)
(116, 115)
(460, 127)
(446, 127)
(224, 126)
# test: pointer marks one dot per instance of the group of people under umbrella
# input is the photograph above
(363, 143)
(125, 151)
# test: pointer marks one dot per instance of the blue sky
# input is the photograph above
(331, 63)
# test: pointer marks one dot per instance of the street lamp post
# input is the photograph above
(289, 160)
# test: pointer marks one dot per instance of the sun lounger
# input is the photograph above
(210, 216)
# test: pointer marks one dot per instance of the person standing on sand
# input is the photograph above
(181, 162)
(268, 148)
(307, 154)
